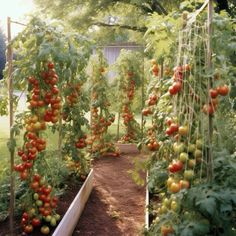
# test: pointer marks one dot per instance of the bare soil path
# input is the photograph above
(116, 205)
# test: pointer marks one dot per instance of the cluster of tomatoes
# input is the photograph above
(211, 107)
(44, 207)
(179, 73)
(101, 118)
(127, 113)
(152, 144)
(45, 107)
(72, 98)
(131, 85)
(81, 142)
(155, 68)
(187, 157)
(100, 123)
(99, 127)
(152, 100)
(173, 127)
(33, 145)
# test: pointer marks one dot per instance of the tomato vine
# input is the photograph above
(101, 118)
(130, 73)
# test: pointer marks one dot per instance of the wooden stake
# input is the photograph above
(209, 67)
(143, 102)
(118, 127)
(11, 119)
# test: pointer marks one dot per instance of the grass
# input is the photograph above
(4, 136)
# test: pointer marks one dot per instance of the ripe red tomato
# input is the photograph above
(208, 109)
(24, 157)
(213, 93)
(47, 118)
(36, 91)
(174, 128)
(21, 167)
(175, 166)
(155, 68)
(53, 81)
(53, 204)
(50, 65)
(177, 86)
(34, 185)
(55, 90)
(174, 188)
(33, 150)
(56, 105)
(40, 103)
(40, 147)
(35, 97)
(36, 177)
(187, 67)
(168, 121)
(25, 215)
(172, 90)
(23, 221)
(184, 184)
(54, 119)
(31, 135)
(31, 80)
(223, 90)
(20, 152)
(31, 156)
(47, 190)
(28, 164)
(36, 222)
(33, 103)
(28, 229)
(24, 175)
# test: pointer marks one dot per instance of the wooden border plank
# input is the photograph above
(147, 205)
(70, 219)
(126, 148)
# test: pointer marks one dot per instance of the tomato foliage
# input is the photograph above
(195, 195)
(130, 72)
(50, 67)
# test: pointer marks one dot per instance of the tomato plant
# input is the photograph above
(101, 118)
(190, 97)
(49, 72)
(128, 67)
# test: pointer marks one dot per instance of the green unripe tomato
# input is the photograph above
(183, 157)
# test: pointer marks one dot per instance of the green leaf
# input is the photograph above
(139, 145)
(11, 144)
(207, 205)
(196, 228)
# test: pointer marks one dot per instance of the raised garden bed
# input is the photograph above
(127, 148)
(71, 204)
(71, 217)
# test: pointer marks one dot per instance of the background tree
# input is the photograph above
(109, 21)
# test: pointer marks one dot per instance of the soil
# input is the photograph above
(116, 205)
(63, 204)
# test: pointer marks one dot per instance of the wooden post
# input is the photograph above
(11, 120)
(60, 138)
(143, 101)
(210, 85)
(118, 127)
